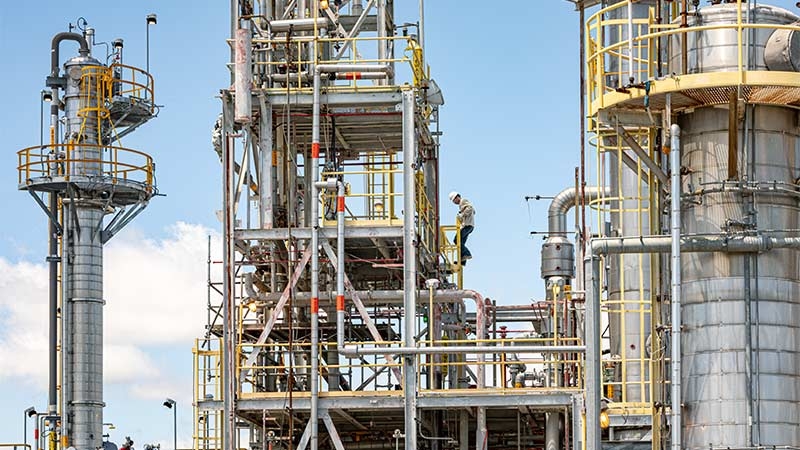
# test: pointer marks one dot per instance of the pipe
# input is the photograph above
(630, 43)
(243, 74)
(53, 260)
(336, 68)
(284, 25)
(675, 304)
(551, 431)
(480, 350)
(340, 264)
(57, 40)
(409, 264)
(563, 202)
(314, 200)
(593, 356)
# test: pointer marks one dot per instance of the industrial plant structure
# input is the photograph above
(342, 319)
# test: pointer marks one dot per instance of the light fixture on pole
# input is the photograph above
(173, 405)
(45, 97)
(30, 412)
(151, 19)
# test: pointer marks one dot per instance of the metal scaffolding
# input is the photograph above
(341, 298)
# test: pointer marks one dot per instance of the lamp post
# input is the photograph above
(30, 412)
(173, 405)
(151, 19)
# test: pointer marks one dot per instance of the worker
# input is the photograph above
(466, 219)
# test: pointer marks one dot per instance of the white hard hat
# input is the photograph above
(453, 195)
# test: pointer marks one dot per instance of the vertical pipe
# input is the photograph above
(243, 73)
(228, 280)
(552, 432)
(675, 222)
(592, 337)
(421, 27)
(381, 13)
(266, 169)
(52, 259)
(409, 269)
(340, 265)
(313, 199)
(481, 435)
(630, 43)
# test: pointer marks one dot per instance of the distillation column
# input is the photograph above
(88, 176)
(740, 330)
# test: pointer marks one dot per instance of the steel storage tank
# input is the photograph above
(740, 312)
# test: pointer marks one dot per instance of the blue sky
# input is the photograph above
(509, 75)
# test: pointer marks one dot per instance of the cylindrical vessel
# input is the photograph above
(717, 50)
(732, 378)
(84, 266)
(629, 284)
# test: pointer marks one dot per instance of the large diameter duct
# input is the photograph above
(84, 267)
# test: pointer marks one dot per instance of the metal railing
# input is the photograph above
(67, 161)
(295, 74)
(634, 54)
(207, 373)
(451, 253)
(514, 370)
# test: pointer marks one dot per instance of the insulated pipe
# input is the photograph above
(409, 264)
(340, 264)
(314, 200)
(675, 303)
(593, 356)
(563, 202)
(331, 68)
(243, 74)
(283, 25)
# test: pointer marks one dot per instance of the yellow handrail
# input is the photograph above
(59, 160)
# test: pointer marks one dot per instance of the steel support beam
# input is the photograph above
(643, 156)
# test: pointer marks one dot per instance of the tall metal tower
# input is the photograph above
(90, 187)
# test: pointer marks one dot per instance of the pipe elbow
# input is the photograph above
(56, 42)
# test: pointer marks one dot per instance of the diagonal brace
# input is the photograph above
(643, 156)
(362, 310)
(298, 272)
(337, 441)
(50, 214)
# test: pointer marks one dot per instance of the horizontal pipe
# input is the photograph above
(450, 350)
(284, 25)
(332, 68)
(382, 297)
(692, 244)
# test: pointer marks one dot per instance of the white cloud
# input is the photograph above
(155, 294)
(155, 290)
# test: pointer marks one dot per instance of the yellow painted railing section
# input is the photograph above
(638, 48)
